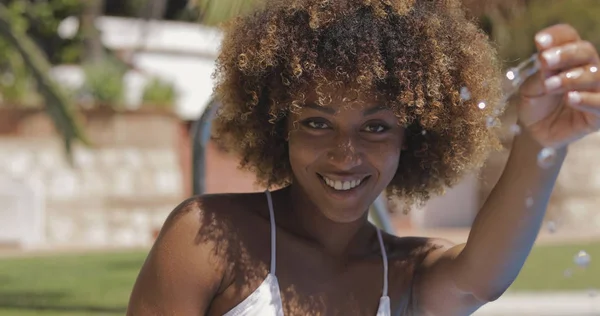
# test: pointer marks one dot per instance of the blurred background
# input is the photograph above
(105, 109)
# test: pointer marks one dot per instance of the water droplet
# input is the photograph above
(551, 225)
(465, 94)
(529, 202)
(546, 157)
(481, 105)
(491, 122)
(423, 132)
(568, 273)
(511, 74)
(515, 129)
(582, 259)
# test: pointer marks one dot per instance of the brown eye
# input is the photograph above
(314, 124)
(376, 128)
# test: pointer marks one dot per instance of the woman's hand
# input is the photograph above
(561, 103)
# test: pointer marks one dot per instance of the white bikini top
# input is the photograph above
(266, 299)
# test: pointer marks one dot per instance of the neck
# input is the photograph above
(308, 222)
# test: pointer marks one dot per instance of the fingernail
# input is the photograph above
(553, 83)
(544, 40)
(574, 73)
(574, 97)
(552, 56)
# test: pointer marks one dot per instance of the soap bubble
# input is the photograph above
(568, 273)
(517, 75)
(491, 122)
(465, 94)
(546, 157)
(551, 225)
(423, 132)
(515, 129)
(513, 77)
(481, 105)
(582, 259)
(529, 202)
(511, 74)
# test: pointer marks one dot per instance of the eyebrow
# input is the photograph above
(331, 111)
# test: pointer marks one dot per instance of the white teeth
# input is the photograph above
(339, 185)
(342, 185)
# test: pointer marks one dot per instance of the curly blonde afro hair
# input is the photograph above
(416, 56)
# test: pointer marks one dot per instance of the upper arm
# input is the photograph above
(182, 272)
(435, 286)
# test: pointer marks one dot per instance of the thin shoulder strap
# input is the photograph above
(273, 243)
(385, 263)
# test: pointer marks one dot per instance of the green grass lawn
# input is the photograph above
(99, 284)
(95, 284)
(545, 269)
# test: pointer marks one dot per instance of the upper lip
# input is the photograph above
(343, 177)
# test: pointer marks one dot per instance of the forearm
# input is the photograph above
(505, 229)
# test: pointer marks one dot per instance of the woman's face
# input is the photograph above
(344, 155)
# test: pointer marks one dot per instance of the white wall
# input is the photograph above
(22, 211)
(455, 209)
(183, 53)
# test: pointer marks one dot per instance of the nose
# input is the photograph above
(345, 155)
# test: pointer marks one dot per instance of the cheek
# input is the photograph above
(386, 158)
(302, 151)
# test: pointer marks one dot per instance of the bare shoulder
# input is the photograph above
(186, 266)
(208, 220)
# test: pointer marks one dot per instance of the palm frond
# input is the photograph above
(58, 105)
(214, 12)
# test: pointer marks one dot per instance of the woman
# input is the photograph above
(334, 102)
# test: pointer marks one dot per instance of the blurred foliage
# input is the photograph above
(512, 24)
(42, 19)
(39, 20)
(159, 93)
(57, 105)
(17, 87)
(514, 35)
(104, 83)
(15, 80)
(214, 12)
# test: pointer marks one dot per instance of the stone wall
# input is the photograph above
(117, 193)
(574, 202)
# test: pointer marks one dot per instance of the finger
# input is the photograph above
(556, 35)
(585, 101)
(580, 78)
(569, 56)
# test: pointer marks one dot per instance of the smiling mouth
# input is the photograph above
(345, 185)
